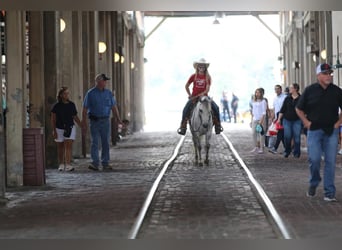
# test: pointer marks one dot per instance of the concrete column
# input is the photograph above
(139, 76)
(126, 82)
(90, 62)
(36, 70)
(69, 64)
(51, 81)
(16, 84)
(109, 52)
(93, 46)
(2, 136)
(77, 73)
(102, 58)
(65, 50)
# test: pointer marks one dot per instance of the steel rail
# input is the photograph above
(140, 218)
(275, 215)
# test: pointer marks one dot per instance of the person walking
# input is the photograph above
(267, 118)
(291, 122)
(201, 81)
(277, 104)
(225, 107)
(97, 106)
(318, 108)
(259, 109)
(234, 105)
(63, 115)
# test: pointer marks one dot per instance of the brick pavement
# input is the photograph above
(209, 202)
(85, 204)
(285, 180)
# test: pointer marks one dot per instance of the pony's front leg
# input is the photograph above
(200, 163)
(207, 147)
(196, 150)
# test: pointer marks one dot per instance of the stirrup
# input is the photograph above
(218, 129)
(181, 131)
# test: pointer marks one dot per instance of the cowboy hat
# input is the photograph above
(201, 61)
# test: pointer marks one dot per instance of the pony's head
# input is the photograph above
(204, 109)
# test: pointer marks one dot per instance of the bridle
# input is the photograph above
(200, 111)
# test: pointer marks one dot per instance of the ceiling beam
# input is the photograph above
(205, 13)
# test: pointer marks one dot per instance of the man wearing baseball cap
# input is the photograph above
(98, 104)
(318, 108)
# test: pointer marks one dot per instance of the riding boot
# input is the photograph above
(182, 129)
(217, 124)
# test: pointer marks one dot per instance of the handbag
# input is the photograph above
(259, 129)
(272, 130)
(67, 131)
(279, 126)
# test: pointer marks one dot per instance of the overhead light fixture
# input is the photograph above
(216, 21)
(116, 57)
(132, 65)
(122, 60)
(102, 49)
(324, 54)
(218, 15)
(62, 25)
(314, 57)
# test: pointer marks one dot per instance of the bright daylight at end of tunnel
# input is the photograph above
(242, 52)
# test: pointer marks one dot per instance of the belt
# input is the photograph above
(96, 118)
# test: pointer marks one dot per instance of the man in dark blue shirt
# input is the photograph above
(318, 108)
(97, 105)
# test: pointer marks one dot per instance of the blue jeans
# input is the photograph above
(190, 105)
(99, 130)
(318, 142)
(292, 129)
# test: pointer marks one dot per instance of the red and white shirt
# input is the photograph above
(200, 83)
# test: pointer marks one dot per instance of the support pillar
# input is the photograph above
(36, 70)
(77, 84)
(51, 81)
(16, 84)
(2, 128)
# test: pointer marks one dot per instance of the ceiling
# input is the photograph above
(205, 13)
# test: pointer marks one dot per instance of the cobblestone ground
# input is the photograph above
(285, 181)
(87, 204)
(209, 202)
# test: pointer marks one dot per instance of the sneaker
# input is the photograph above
(61, 167)
(93, 167)
(69, 168)
(331, 199)
(260, 151)
(311, 192)
(273, 151)
(107, 167)
(340, 152)
(254, 150)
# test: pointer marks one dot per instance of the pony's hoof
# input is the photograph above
(200, 164)
(206, 162)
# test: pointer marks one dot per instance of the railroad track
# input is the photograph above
(269, 210)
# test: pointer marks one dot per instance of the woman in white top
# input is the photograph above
(259, 108)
